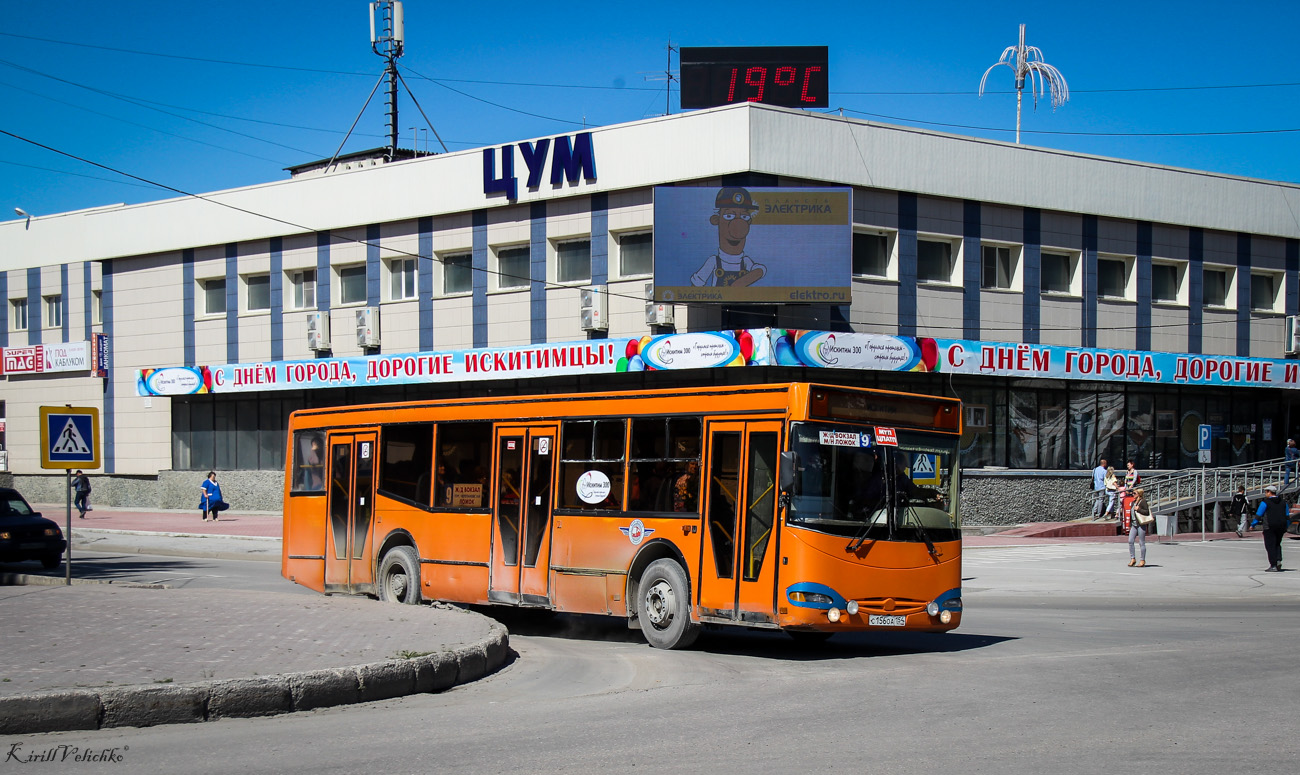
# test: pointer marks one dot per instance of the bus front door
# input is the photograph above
(349, 565)
(738, 574)
(521, 515)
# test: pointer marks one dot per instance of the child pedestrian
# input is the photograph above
(1238, 508)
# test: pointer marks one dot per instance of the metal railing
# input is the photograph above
(1175, 492)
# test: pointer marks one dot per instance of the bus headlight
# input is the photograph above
(833, 614)
(945, 617)
(852, 608)
(932, 609)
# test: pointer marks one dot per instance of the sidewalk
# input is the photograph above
(88, 656)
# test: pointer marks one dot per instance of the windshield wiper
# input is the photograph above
(925, 534)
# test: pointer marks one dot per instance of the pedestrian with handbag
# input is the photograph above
(211, 503)
(1142, 521)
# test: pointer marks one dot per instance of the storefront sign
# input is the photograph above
(46, 358)
(705, 350)
(571, 160)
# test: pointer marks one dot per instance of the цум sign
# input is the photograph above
(569, 159)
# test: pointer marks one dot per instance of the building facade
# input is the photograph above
(1015, 255)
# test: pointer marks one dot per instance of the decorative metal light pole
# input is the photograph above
(1028, 61)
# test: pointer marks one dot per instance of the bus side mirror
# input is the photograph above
(789, 470)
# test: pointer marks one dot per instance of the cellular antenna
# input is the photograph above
(387, 39)
(1028, 61)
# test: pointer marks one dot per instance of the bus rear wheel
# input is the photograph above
(665, 606)
(399, 576)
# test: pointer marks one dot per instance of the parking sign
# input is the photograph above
(69, 437)
(1203, 437)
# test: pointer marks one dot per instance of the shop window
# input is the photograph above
(463, 459)
(18, 314)
(304, 288)
(53, 311)
(636, 254)
(664, 464)
(214, 296)
(870, 255)
(401, 273)
(1056, 273)
(592, 446)
(406, 462)
(573, 261)
(1215, 286)
(514, 267)
(457, 273)
(998, 268)
(352, 284)
(933, 261)
(257, 290)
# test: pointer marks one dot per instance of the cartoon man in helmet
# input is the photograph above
(730, 267)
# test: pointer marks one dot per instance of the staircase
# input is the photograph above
(1180, 492)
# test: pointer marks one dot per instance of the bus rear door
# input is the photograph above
(738, 572)
(521, 515)
(349, 565)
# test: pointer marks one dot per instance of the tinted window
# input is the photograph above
(406, 462)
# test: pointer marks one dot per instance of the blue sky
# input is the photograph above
(197, 124)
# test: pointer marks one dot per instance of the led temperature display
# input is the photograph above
(789, 76)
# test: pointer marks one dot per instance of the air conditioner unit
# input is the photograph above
(656, 314)
(1291, 335)
(318, 331)
(594, 310)
(368, 327)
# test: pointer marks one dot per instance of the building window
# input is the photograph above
(258, 292)
(513, 267)
(1215, 285)
(1164, 283)
(53, 311)
(636, 254)
(304, 288)
(1056, 273)
(574, 261)
(19, 314)
(870, 255)
(998, 267)
(933, 261)
(457, 273)
(96, 307)
(1112, 278)
(1263, 292)
(214, 296)
(402, 273)
(352, 284)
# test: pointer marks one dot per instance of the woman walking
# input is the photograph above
(1142, 519)
(211, 502)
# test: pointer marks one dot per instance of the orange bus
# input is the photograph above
(809, 508)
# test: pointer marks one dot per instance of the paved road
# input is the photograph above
(1067, 662)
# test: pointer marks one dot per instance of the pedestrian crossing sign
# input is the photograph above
(69, 437)
(925, 468)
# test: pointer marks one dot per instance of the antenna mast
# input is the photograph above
(388, 40)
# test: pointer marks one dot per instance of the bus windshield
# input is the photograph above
(847, 484)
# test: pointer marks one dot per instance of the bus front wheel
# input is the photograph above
(399, 576)
(665, 606)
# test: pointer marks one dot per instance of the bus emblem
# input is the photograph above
(636, 532)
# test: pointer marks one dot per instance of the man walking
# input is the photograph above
(1292, 454)
(1273, 510)
(1098, 488)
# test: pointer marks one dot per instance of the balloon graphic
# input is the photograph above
(621, 365)
(633, 347)
(785, 353)
(635, 363)
(746, 345)
(929, 354)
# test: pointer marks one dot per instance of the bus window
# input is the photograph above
(308, 462)
(406, 462)
(664, 464)
(592, 446)
(464, 457)
(724, 489)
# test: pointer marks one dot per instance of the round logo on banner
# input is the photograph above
(593, 487)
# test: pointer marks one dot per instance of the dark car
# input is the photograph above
(25, 534)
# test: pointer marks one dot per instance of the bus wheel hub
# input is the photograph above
(660, 602)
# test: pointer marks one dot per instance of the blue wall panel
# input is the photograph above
(277, 299)
(1143, 322)
(906, 264)
(424, 282)
(1032, 307)
(232, 303)
(537, 272)
(971, 265)
(1195, 288)
(478, 262)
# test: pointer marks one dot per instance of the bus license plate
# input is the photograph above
(886, 621)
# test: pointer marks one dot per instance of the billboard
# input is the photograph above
(733, 244)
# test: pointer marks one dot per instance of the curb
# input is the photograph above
(146, 706)
(170, 552)
(28, 580)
